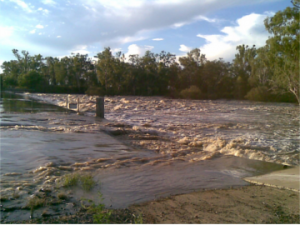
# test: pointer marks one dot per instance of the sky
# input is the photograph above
(58, 28)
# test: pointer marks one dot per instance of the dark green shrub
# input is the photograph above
(259, 94)
(193, 92)
(9, 81)
(284, 97)
(31, 80)
(95, 91)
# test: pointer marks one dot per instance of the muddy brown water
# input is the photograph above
(42, 142)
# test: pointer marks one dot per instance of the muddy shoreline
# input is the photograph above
(248, 204)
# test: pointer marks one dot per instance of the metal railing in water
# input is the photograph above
(76, 106)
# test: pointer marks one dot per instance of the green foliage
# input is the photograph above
(283, 48)
(282, 217)
(138, 219)
(95, 91)
(258, 94)
(100, 214)
(192, 68)
(9, 81)
(70, 180)
(192, 93)
(31, 80)
(215, 79)
(261, 68)
(35, 202)
(85, 181)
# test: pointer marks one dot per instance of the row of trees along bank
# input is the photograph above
(268, 73)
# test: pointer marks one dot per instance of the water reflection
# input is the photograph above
(11, 103)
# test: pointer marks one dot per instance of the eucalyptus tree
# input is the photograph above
(132, 74)
(261, 68)
(11, 71)
(23, 61)
(105, 69)
(149, 80)
(174, 82)
(166, 58)
(60, 72)
(284, 48)
(32, 80)
(167, 77)
(241, 68)
(50, 71)
(90, 74)
(120, 68)
(192, 65)
(216, 82)
(80, 66)
(36, 63)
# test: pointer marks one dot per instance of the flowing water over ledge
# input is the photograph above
(40, 143)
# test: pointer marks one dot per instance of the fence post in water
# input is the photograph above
(100, 107)
(77, 104)
(67, 102)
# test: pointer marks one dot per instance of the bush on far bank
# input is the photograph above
(95, 91)
(31, 80)
(263, 94)
(258, 94)
(193, 92)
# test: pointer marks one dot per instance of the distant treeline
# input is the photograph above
(269, 73)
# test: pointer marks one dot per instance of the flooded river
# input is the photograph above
(160, 147)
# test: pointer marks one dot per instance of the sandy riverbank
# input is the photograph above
(250, 204)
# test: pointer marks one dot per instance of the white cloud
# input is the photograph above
(129, 39)
(115, 50)
(126, 22)
(206, 19)
(6, 32)
(58, 36)
(177, 25)
(249, 30)
(32, 31)
(184, 48)
(49, 2)
(135, 49)
(157, 39)
(45, 11)
(81, 49)
(39, 26)
(23, 5)
(194, 19)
